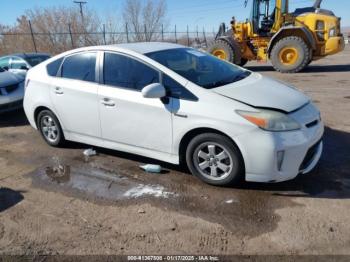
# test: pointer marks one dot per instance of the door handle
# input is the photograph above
(58, 91)
(107, 102)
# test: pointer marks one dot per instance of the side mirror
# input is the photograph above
(155, 90)
(5, 68)
(24, 68)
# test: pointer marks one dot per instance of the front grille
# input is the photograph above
(9, 106)
(310, 155)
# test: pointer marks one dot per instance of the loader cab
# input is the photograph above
(266, 15)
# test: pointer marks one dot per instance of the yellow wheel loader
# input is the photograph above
(290, 40)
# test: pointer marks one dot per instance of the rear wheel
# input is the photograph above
(290, 55)
(50, 128)
(215, 159)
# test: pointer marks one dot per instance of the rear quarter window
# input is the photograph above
(53, 67)
(80, 67)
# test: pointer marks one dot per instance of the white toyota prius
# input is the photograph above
(178, 105)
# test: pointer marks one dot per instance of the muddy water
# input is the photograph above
(242, 212)
(96, 183)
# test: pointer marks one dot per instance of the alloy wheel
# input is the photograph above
(213, 161)
(49, 128)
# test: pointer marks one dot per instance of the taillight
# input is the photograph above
(27, 83)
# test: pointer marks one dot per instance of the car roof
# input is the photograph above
(26, 55)
(148, 47)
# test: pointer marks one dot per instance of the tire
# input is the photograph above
(50, 128)
(223, 50)
(243, 62)
(204, 156)
(290, 55)
(310, 59)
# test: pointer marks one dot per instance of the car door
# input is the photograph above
(74, 95)
(126, 116)
(19, 66)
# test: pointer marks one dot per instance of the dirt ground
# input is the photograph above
(107, 205)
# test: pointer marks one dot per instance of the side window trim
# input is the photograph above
(59, 71)
(101, 78)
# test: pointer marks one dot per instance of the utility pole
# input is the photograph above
(81, 4)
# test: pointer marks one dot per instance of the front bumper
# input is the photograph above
(11, 106)
(301, 150)
(334, 45)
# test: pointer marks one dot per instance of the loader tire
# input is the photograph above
(243, 62)
(290, 55)
(225, 51)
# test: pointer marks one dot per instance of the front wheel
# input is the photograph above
(215, 160)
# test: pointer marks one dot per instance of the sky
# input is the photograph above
(206, 14)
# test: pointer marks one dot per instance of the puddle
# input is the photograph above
(96, 183)
(60, 174)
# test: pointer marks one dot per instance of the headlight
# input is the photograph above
(270, 120)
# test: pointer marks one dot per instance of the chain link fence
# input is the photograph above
(58, 42)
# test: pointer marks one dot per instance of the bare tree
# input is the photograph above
(58, 28)
(52, 28)
(113, 28)
(145, 19)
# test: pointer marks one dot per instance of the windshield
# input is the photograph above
(200, 68)
(35, 60)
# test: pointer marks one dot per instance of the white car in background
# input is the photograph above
(20, 63)
(178, 105)
(11, 91)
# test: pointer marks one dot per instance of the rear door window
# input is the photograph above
(80, 67)
(18, 63)
(123, 71)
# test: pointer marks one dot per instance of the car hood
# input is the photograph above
(7, 79)
(260, 91)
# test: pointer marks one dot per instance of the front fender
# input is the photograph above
(293, 31)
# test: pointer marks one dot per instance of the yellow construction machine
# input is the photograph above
(290, 40)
